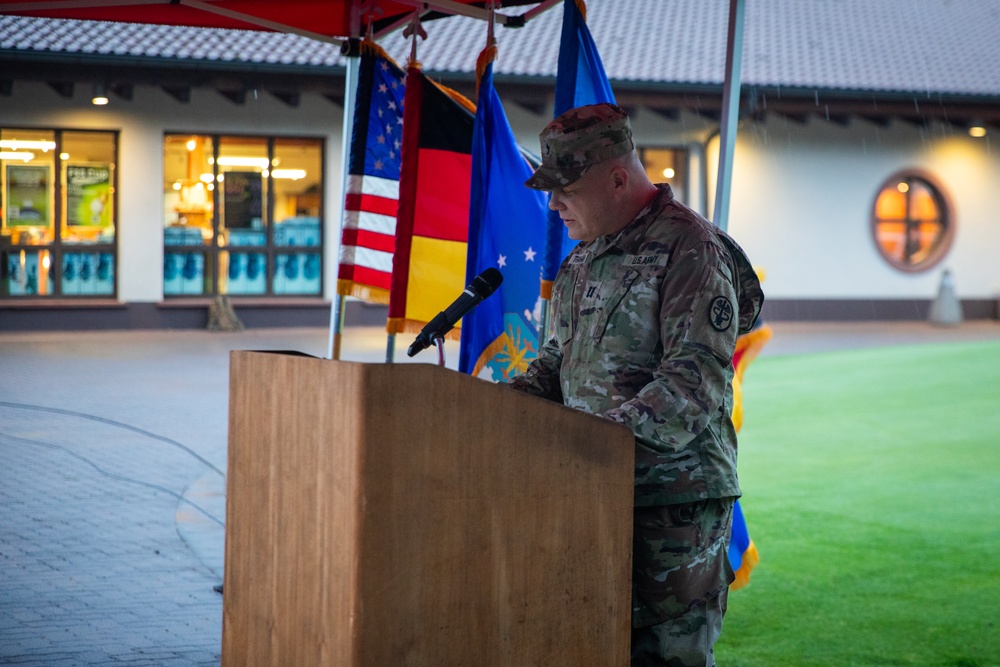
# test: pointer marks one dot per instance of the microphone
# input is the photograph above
(481, 287)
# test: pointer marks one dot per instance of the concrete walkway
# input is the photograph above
(113, 451)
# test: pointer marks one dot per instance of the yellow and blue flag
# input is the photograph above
(743, 554)
(742, 551)
(506, 231)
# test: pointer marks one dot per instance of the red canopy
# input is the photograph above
(314, 18)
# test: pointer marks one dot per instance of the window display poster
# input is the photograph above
(242, 201)
(27, 195)
(88, 195)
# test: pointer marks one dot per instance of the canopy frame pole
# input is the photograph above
(338, 302)
(457, 8)
(730, 113)
(543, 7)
(259, 22)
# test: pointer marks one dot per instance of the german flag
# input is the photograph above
(432, 224)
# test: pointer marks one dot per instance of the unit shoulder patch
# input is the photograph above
(720, 313)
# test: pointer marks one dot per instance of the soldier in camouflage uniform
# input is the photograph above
(644, 318)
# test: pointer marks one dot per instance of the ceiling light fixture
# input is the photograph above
(977, 128)
(100, 95)
(293, 174)
(240, 161)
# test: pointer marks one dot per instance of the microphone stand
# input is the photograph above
(439, 341)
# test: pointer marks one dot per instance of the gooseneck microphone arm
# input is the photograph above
(481, 287)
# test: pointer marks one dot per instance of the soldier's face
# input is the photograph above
(589, 206)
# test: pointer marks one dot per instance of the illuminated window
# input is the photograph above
(243, 215)
(666, 165)
(58, 213)
(911, 222)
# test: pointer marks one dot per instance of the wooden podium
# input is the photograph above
(406, 514)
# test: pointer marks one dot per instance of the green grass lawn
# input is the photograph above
(871, 484)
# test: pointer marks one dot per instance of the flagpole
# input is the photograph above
(730, 113)
(353, 66)
(413, 30)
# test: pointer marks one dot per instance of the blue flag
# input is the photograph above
(506, 231)
(580, 79)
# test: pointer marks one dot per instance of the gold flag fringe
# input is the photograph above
(367, 293)
(397, 325)
(486, 56)
(469, 105)
(750, 560)
(374, 48)
(582, 7)
(751, 344)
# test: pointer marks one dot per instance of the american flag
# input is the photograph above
(372, 197)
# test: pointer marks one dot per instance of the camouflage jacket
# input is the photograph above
(642, 330)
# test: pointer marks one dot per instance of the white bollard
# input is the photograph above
(946, 310)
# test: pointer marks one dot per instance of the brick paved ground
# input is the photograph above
(100, 437)
(112, 460)
(112, 463)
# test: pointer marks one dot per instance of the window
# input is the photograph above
(911, 222)
(57, 213)
(242, 216)
(667, 165)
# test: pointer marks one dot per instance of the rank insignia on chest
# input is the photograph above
(592, 293)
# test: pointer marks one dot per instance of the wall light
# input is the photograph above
(23, 156)
(669, 172)
(100, 95)
(15, 144)
(977, 129)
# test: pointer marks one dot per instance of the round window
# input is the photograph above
(912, 222)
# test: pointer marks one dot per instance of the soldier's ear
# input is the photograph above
(619, 179)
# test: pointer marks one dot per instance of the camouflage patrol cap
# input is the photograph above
(579, 139)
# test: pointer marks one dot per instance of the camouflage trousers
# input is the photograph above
(680, 578)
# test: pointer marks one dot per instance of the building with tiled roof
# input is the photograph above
(853, 49)
(841, 101)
